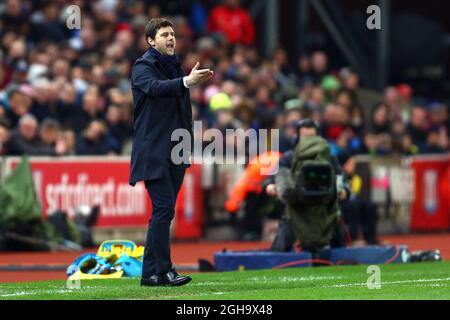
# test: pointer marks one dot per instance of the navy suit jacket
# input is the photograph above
(161, 105)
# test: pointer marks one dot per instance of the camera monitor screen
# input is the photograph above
(317, 178)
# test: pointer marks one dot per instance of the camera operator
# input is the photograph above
(287, 235)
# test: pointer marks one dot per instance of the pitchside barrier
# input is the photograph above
(412, 193)
(254, 260)
(66, 183)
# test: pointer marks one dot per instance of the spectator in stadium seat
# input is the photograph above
(418, 126)
(335, 121)
(288, 132)
(281, 61)
(20, 70)
(4, 137)
(65, 110)
(41, 95)
(69, 138)
(357, 121)
(302, 70)
(233, 21)
(393, 102)
(346, 98)
(89, 37)
(130, 9)
(437, 140)
(330, 85)
(378, 144)
(117, 128)
(49, 132)
(90, 109)
(407, 147)
(316, 98)
(49, 27)
(94, 140)
(25, 140)
(349, 79)
(16, 51)
(14, 17)
(342, 143)
(319, 65)
(60, 68)
(439, 114)
(401, 141)
(264, 101)
(18, 104)
(379, 121)
(7, 72)
(405, 93)
(243, 114)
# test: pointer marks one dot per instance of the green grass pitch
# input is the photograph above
(405, 281)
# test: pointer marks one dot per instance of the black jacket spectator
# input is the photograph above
(19, 145)
(94, 140)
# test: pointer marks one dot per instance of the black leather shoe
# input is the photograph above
(172, 278)
(174, 272)
(149, 282)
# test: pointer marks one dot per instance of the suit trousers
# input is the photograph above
(163, 193)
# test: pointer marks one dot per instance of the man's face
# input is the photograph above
(13, 8)
(20, 103)
(48, 135)
(419, 118)
(164, 41)
(113, 115)
(433, 138)
(307, 132)
(28, 130)
(94, 130)
(319, 62)
(352, 81)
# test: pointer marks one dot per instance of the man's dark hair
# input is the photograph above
(306, 123)
(49, 123)
(154, 25)
(13, 92)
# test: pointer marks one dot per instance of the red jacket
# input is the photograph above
(235, 23)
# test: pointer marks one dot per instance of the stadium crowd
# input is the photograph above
(66, 92)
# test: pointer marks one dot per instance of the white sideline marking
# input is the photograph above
(293, 278)
(271, 279)
(362, 284)
(14, 294)
(390, 282)
(25, 293)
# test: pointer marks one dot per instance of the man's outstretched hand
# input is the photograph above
(197, 77)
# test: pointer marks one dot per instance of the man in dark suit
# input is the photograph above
(161, 105)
